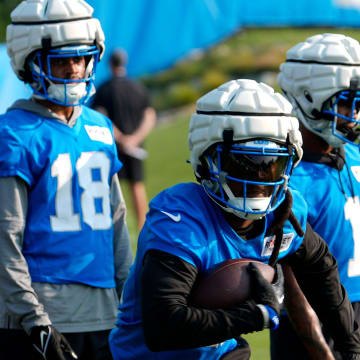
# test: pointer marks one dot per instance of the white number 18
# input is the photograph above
(65, 218)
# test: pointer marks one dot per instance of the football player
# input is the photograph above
(65, 249)
(321, 78)
(244, 144)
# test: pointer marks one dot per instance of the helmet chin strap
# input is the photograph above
(249, 205)
(69, 93)
(260, 204)
(72, 93)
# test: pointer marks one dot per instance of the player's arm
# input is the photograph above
(147, 122)
(21, 301)
(304, 319)
(146, 125)
(170, 323)
(316, 272)
(20, 298)
(135, 139)
(122, 246)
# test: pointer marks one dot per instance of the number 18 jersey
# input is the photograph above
(68, 234)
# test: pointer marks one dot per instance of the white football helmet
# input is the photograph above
(42, 30)
(244, 136)
(319, 76)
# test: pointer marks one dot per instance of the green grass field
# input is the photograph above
(166, 166)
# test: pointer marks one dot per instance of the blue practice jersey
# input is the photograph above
(185, 222)
(68, 236)
(334, 211)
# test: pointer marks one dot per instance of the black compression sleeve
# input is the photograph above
(317, 273)
(169, 323)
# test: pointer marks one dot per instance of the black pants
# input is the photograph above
(16, 345)
(285, 345)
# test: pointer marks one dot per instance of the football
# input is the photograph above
(227, 285)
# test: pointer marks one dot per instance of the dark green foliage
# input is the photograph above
(6, 6)
(254, 53)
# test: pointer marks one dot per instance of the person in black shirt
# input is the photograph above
(127, 104)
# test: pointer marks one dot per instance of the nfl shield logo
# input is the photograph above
(269, 243)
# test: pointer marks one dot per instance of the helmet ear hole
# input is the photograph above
(308, 97)
(27, 76)
(203, 171)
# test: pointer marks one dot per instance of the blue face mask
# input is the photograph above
(65, 92)
(249, 179)
(343, 110)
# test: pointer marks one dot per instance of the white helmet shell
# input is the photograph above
(250, 109)
(315, 70)
(52, 23)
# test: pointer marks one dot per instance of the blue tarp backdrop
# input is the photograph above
(156, 33)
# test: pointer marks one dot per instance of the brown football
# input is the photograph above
(227, 285)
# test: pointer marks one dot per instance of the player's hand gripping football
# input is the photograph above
(262, 292)
(50, 344)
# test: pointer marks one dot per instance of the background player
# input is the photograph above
(321, 78)
(244, 144)
(127, 104)
(65, 248)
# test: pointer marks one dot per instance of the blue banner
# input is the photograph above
(157, 33)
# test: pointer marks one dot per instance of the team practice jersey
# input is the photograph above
(68, 170)
(185, 222)
(334, 211)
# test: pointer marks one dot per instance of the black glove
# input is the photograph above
(350, 356)
(262, 291)
(50, 344)
(278, 284)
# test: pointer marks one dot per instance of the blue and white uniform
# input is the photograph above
(330, 184)
(69, 234)
(332, 196)
(63, 230)
(185, 222)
